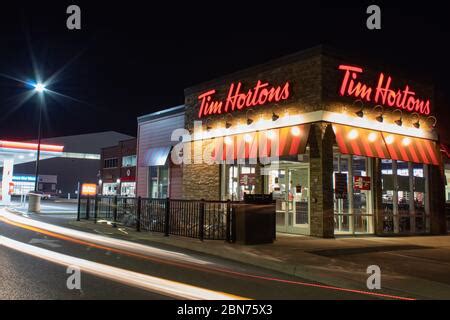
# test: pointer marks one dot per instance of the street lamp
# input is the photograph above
(39, 88)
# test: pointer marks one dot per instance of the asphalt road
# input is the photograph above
(29, 277)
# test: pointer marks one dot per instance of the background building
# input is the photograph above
(118, 169)
(79, 162)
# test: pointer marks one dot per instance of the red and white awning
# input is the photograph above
(288, 141)
(376, 144)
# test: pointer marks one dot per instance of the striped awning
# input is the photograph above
(412, 149)
(361, 142)
(288, 141)
(377, 144)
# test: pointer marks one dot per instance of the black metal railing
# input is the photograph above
(211, 220)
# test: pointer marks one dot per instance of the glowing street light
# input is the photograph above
(39, 87)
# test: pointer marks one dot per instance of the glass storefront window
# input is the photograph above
(240, 180)
(109, 189)
(353, 200)
(128, 189)
(447, 184)
(158, 182)
(404, 197)
(129, 161)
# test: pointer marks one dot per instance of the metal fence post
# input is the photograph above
(167, 218)
(201, 221)
(88, 207)
(138, 214)
(114, 212)
(79, 203)
(95, 208)
(228, 221)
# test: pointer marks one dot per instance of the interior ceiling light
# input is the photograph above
(353, 134)
(271, 134)
(389, 139)
(295, 131)
(372, 136)
(406, 141)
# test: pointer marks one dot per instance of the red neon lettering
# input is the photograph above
(206, 106)
(260, 94)
(384, 94)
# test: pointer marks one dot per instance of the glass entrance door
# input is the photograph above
(297, 198)
(290, 188)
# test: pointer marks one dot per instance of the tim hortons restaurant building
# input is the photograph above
(344, 148)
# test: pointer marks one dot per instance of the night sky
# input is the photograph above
(131, 59)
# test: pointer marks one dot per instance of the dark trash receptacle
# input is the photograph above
(255, 220)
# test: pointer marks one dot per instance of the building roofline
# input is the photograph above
(162, 113)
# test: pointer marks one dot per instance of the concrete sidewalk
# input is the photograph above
(416, 267)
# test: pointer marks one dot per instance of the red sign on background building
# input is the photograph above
(361, 183)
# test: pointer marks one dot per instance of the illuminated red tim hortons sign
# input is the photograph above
(238, 99)
(383, 93)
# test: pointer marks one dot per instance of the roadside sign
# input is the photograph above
(88, 189)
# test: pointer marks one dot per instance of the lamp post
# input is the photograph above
(39, 88)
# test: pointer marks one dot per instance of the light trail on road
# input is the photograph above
(167, 287)
(162, 256)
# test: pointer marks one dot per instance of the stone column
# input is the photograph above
(377, 196)
(321, 139)
(436, 196)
